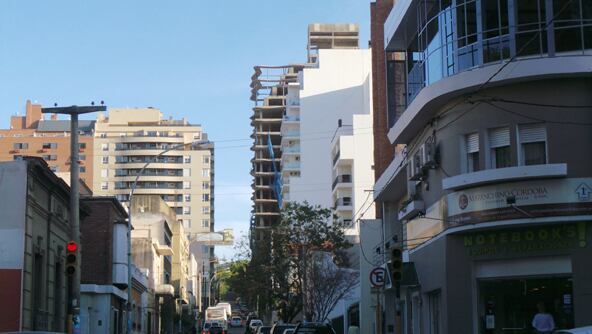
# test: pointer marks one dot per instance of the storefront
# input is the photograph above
(504, 249)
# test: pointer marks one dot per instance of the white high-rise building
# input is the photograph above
(327, 141)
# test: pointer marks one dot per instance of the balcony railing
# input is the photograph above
(345, 178)
(336, 157)
(344, 201)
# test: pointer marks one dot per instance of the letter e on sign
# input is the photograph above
(378, 277)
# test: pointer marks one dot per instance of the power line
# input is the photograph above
(517, 113)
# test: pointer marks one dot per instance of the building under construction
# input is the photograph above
(269, 86)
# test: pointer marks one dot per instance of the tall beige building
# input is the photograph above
(129, 138)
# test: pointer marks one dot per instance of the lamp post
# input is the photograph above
(210, 289)
(74, 111)
(129, 225)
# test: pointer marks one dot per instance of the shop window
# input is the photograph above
(499, 144)
(472, 148)
(533, 144)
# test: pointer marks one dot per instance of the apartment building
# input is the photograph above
(160, 248)
(128, 139)
(33, 234)
(33, 135)
(329, 112)
(490, 199)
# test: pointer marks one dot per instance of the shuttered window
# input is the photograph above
(473, 142)
(532, 133)
(533, 144)
(499, 137)
(472, 147)
(499, 143)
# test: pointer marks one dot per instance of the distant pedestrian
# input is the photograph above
(543, 322)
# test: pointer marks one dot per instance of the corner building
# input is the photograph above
(491, 198)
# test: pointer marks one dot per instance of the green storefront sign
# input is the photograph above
(564, 236)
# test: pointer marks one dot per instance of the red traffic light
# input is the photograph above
(72, 246)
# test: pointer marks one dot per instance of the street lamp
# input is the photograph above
(74, 111)
(210, 289)
(193, 144)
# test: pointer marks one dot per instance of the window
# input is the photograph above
(152, 134)
(187, 223)
(205, 197)
(187, 198)
(533, 144)
(103, 135)
(82, 146)
(499, 143)
(186, 172)
(47, 146)
(123, 134)
(196, 136)
(17, 157)
(105, 160)
(54, 169)
(472, 147)
(187, 159)
(104, 173)
(186, 185)
(205, 185)
(186, 210)
(105, 147)
(206, 159)
(104, 186)
(18, 146)
(205, 172)
(205, 223)
(49, 157)
(82, 169)
(82, 157)
(205, 210)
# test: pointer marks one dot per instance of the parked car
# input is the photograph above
(253, 325)
(280, 328)
(580, 330)
(264, 330)
(289, 331)
(216, 328)
(314, 328)
(236, 322)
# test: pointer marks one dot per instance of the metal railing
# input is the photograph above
(345, 178)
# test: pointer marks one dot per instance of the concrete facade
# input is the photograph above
(129, 138)
(35, 231)
(490, 198)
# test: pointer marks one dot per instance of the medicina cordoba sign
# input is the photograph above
(540, 198)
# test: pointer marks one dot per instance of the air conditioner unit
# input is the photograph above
(428, 151)
(416, 163)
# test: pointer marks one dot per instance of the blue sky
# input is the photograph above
(190, 58)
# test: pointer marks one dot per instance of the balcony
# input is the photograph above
(345, 178)
(336, 157)
(342, 203)
(291, 118)
(291, 149)
(295, 165)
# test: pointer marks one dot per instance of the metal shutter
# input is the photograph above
(472, 142)
(532, 133)
(499, 137)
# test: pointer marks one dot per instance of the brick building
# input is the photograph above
(104, 265)
(32, 135)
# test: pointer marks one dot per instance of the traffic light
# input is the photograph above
(396, 264)
(71, 257)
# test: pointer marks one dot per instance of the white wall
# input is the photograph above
(339, 88)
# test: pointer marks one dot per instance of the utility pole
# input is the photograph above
(74, 111)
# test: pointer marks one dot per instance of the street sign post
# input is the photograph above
(378, 277)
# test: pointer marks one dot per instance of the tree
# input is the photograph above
(322, 298)
(303, 231)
